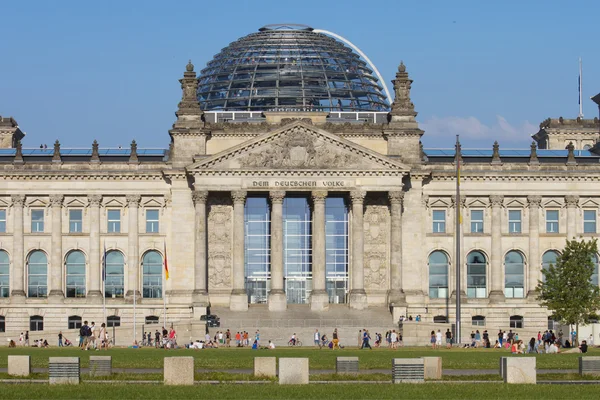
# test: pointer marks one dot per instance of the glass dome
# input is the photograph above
(289, 67)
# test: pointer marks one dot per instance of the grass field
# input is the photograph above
(330, 391)
(233, 358)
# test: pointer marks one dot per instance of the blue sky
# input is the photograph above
(78, 71)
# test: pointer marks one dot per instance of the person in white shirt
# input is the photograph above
(271, 345)
(393, 339)
(438, 339)
(317, 338)
(93, 335)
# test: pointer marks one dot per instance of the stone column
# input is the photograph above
(572, 204)
(319, 299)
(277, 299)
(56, 293)
(358, 296)
(133, 256)
(18, 257)
(535, 264)
(200, 272)
(239, 296)
(396, 294)
(95, 274)
(496, 262)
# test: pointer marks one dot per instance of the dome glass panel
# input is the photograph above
(289, 67)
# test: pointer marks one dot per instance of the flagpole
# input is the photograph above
(164, 288)
(104, 285)
(134, 301)
(457, 261)
(580, 89)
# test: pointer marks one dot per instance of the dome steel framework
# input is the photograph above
(285, 67)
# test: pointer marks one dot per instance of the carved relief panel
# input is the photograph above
(376, 241)
(220, 215)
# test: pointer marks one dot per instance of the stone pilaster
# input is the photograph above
(18, 268)
(200, 295)
(133, 257)
(56, 293)
(535, 264)
(572, 202)
(94, 292)
(319, 300)
(358, 296)
(277, 299)
(239, 296)
(496, 264)
(396, 294)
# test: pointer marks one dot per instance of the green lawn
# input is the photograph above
(273, 391)
(224, 359)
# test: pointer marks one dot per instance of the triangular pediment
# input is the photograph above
(589, 203)
(149, 203)
(75, 202)
(477, 203)
(36, 202)
(298, 146)
(515, 203)
(440, 203)
(552, 204)
(113, 202)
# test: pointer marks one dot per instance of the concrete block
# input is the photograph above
(520, 370)
(179, 370)
(433, 367)
(19, 365)
(346, 365)
(265, 366)
(63, 370)
(100, 366)
(589, 365)
(408, 370)
(293, 371)
(502, 367)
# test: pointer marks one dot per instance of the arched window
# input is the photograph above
(75, 274)
(4, 274)
(115, 271)
(440, 319)
(476, 274)
(478, 320)
(113, 320)
(514, 275)
(438, 275)
(37, 274)
(36, 323)
(2, 324)
(549, 258)
(595, 274)
(151, 319)
(516, 321)
(152, 265)
(74, 322)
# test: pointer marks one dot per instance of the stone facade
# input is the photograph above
(189, 203)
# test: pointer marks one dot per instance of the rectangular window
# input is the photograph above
(114, 221)
(589, 221)
(476, 221)
(151, 221)
(75, 221)
(514, 221)
(2, 221)
(439, 221)
(37, 220)
(551, 221)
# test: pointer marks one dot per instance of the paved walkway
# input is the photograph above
(448, 372)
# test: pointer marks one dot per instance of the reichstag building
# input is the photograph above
(292, 177)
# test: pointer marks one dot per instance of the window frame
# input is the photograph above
(3, 225)
(37, 223)
(68, 287)
(153, 222)
(551, 223)
(116, 223)
(75, 221)
(436, 289)
(35, 322)
(113, 321)
(516, 322)
(151, 320)
(2, 323)
(513, 223)
(475, 223)
(29, 275)
(152, 283)
(5, 289)
(437, 223)
(478, 320)
(585, 221)
(74, 322)
(507, 275)
(476, 288)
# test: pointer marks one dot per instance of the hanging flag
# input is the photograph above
(104, 264)
(166, 264)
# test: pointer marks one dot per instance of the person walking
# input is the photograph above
(27, 338)
(317, 338)
(335, 340)
(103, 337)
(60, 338)
(448, 339)
(360, 338)
(366, 338)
